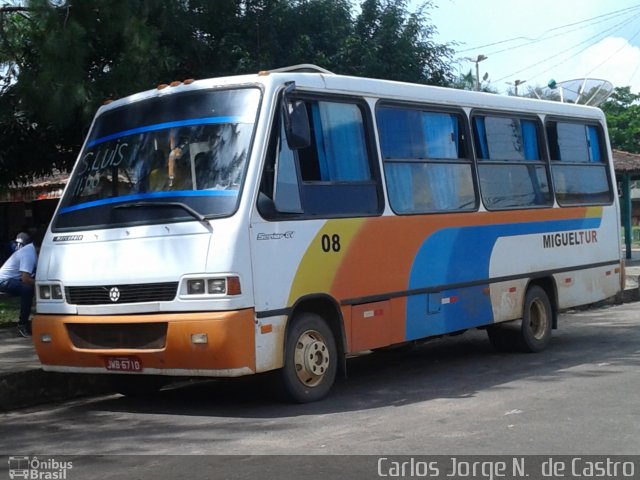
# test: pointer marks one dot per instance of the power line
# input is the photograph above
(633, 74)
(614, 53)
(610, 14)
(590, 42)
(542, 38)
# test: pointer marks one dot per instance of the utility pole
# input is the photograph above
(477, 61)
(516, 84)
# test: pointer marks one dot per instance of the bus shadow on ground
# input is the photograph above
(449, 368)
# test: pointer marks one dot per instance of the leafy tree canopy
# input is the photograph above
(59, 60)
(623, 119)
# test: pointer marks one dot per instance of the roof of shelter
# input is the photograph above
(625, 162)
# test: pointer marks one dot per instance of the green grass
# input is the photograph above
(9, 310)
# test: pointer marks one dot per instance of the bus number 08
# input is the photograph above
(330, 243)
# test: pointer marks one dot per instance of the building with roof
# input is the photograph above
(627, 167)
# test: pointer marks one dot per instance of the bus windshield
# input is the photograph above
(165, 159)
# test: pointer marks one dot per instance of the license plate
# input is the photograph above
(123, 364)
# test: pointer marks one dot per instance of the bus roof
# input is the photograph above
(322, 80)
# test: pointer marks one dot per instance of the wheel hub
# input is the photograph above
(311, 358)
(537, 319)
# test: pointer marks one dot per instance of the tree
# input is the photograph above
(541, 93)
(64, 62)
(60, 60)
(623, 119)
(389, 42)
(467, 81)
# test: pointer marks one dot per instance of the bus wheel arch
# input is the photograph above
(548, 284)
(532, 333)
(313, 349)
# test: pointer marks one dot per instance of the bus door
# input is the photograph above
(311, 203)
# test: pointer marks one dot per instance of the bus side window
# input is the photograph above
(332, 177)
(512, 170)
(426, 164)
(286, 191)
(337, 169)
(279, 187)
(578, 163)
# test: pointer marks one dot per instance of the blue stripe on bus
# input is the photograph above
(153, 195)
(163, 126)
(459, 255)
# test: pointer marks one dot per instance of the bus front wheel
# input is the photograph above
(310, 360)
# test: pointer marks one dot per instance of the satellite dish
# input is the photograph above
(583, 91)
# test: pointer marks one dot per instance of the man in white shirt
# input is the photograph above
(17, 277)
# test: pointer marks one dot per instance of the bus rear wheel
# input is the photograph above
(533, 333)
(310, 361)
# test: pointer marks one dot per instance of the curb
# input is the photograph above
(33, 387)
(631, 295)
(30, 385)
(628, 295)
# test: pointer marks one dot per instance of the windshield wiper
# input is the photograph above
(183, 206)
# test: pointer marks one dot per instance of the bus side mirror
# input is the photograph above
(296, 121)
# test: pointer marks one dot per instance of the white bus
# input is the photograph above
(288, 219)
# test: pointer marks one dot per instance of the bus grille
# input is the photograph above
(139, 336)
(117, 294)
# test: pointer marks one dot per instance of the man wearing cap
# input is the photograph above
(17, 278)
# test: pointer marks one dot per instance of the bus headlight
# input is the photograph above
(213, 286)
(217, 285)
(195, 287)
(45, 292)
(48, 291)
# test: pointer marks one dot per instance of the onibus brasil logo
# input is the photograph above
(36, 469)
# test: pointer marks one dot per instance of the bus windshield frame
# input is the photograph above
(171, 158)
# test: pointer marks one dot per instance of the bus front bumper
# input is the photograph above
(216, 344)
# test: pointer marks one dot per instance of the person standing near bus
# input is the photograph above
(17, 277)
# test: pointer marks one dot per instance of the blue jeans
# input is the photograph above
(25, 292)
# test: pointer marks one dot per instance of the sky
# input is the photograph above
(536, 41)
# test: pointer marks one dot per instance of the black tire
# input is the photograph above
(537, 319)
(137, 386)
(310, 359)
